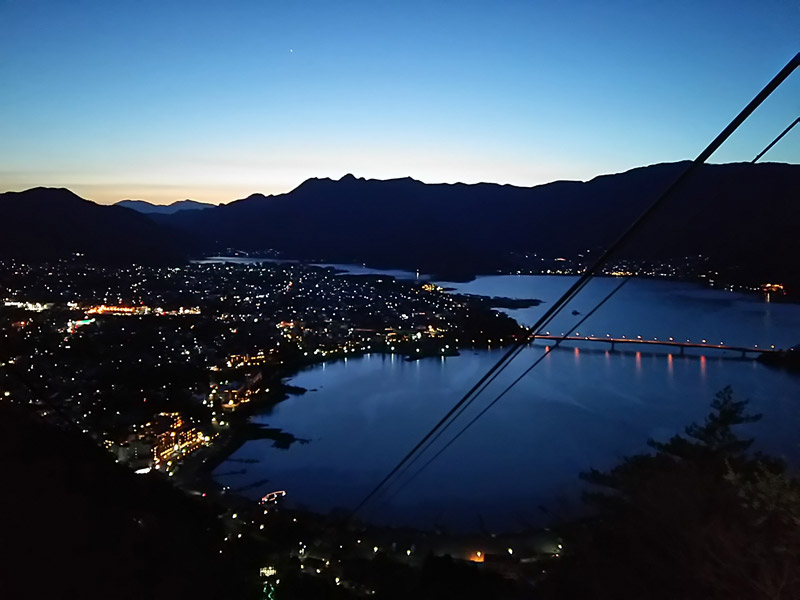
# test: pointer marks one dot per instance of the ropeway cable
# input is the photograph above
(591, 271)
(776, 140)
(497, 398)
(406, 482)
(536, 362)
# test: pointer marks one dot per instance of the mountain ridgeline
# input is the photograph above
(148, 208)
(53, 223)
(744, 217)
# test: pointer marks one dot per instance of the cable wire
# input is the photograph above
(512, 384)
(557, 343)
(589, 273)
(775, 141)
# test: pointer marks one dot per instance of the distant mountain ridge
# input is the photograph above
(149, 208)
(743, 217)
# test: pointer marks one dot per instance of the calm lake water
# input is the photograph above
(582, 407)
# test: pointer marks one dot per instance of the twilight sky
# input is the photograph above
(164, 100)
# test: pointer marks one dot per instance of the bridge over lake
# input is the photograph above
(669, 343)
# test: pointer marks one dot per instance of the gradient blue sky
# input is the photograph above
(216, 100)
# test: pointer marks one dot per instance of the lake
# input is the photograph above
(581, 407)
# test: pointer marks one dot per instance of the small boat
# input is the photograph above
(273, 497)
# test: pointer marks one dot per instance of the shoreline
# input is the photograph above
(443, 277)
(198, 471)
(241, 429)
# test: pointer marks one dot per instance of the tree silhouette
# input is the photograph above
(697, 517)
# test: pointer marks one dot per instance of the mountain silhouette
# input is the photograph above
(743, 217)
(147, 208)
(53, 223)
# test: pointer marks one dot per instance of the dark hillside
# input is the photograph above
(53, 223)
(740, 215)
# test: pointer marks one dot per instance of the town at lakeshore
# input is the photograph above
(163, 366)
